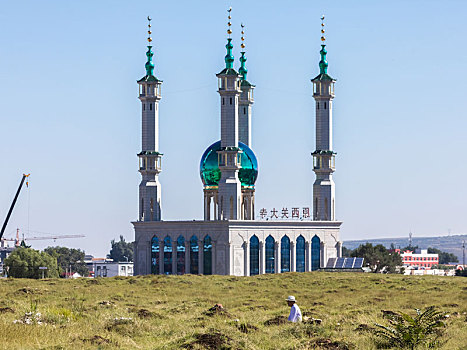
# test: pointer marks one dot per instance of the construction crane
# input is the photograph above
(39, 238)
(25, 176)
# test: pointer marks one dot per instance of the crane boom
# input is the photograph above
(13, 205)
(53, 237)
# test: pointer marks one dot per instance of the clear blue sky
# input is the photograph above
(70, 116)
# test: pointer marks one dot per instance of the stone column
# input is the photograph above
(339, 249)
(323, 259)
(213, 257)
(174, 257)
(246, 259)
(200, 256)
(277, 257)
(293, 258)
(161, 257)
(262, 258)
(307, 256)
(187, 256)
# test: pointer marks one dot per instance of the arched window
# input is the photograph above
(167, 255)
(150, 106)
(317, 105)
(155, 256)
(269, 254)
(223, 102)
(300, 254)
(254, 256)
(324, 105)
(244, 110)
(285, 254)
(194, 255)
(144, 106)
(207, 254)
(315, 253)
(180, 255)
(231, 100)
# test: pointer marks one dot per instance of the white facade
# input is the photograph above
(112, 269)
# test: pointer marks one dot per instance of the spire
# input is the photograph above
(323, 64)
(149, 64)
(243, 71)
(229, 59)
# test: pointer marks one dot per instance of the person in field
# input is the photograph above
(295, 313)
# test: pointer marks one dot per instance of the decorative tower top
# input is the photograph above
(149, 64)
(323, 64)
(229, 59)
(243, 71)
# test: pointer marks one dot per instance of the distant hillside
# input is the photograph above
(450, 244)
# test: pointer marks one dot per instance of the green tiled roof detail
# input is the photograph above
(243, 71)
(323, 67)
(229, 58)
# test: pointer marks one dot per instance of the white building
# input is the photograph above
(111, 269)
(229, 241)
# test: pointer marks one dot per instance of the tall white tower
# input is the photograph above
(230, 187)
(244, 129)
(149, 157)
(246, 100)
(323, 157)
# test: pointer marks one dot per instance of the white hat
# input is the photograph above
(291, 298)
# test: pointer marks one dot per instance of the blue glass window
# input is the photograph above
(315, 253)
(155, 260)
(207, 253)
(285, 254)
(300, 254)
(194, 255)
(180, 255)
(254, 256)
(269, 254)
(167, 255)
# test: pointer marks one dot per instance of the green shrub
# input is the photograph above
(407, 332)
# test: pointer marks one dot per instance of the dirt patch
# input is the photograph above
(106, 303)
(217, 309)
(93, 281)
(451, 305)
(246, 328)
(326, 343)
(276, 321)
(363, 328)
(317, 303)
(211, 340)
(4, 310)
(97, 340)
(144, 313)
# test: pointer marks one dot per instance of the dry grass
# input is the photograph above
(170, 312)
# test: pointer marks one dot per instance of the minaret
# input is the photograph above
(323, 156)
(149, 157)
(230, 188)
(246, 99)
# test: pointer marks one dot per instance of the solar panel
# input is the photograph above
(349, 263)
(339, 263)
(358, 263)
(331, 263)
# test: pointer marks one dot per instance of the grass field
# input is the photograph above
(170, 312)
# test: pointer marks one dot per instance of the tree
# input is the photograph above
(444, 257)
(346, 252)
(68, 258)
(122, 250)
(378, 258)
(25, 263)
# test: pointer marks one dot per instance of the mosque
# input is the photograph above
(229, 241)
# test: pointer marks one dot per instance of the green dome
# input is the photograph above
(209, 166)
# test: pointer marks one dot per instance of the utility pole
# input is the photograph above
(463, 254)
